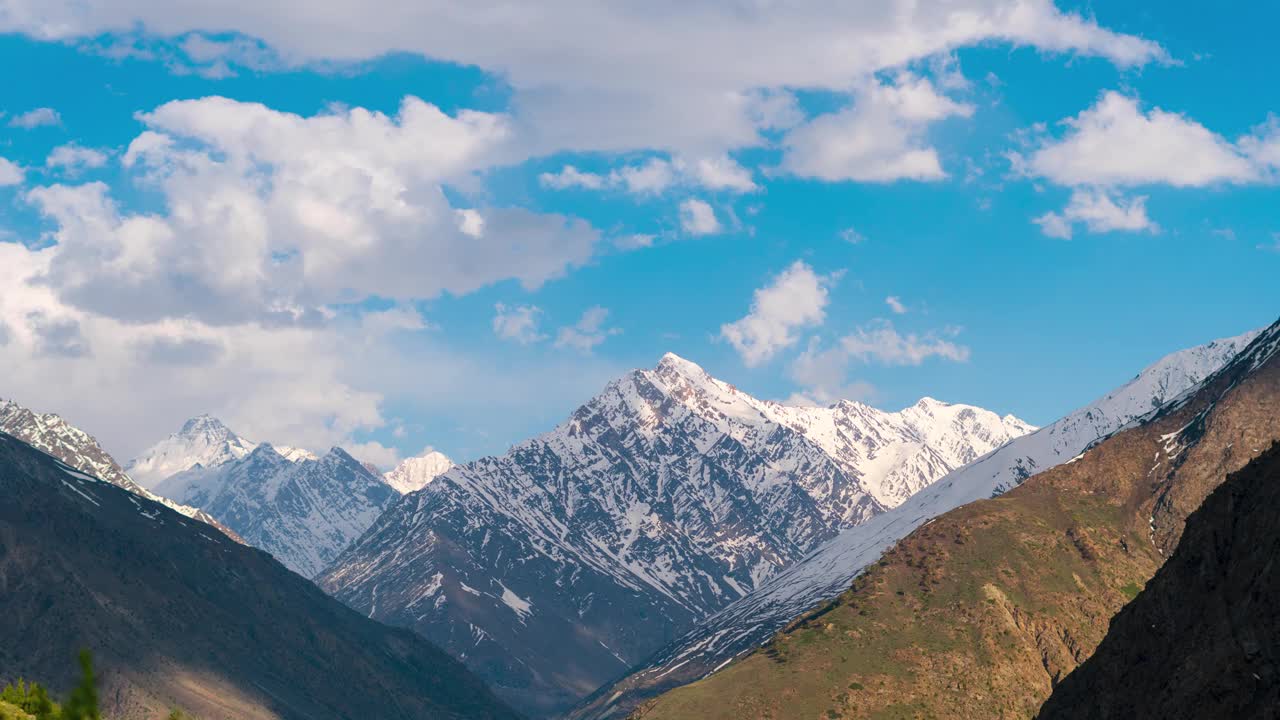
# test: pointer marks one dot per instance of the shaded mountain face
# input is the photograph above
(554, 568)
(1202, 640)
(177, 615)
(746, 623)
(51, 434)
(414, 473)
(981, 611)
(303, 512)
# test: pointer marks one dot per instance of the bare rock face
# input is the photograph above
(178, 615)
(1202, 640)
(556, 567)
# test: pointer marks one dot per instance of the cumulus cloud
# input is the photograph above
(72, 158)
(627, 84)
(1099, 212)
(271, 215)
(824, 371)
(588, 333)
(698, 218)
(881, 138)
(10, 173)
(895, 304)
(1115, 143)
(39, 117)
(518, 323)
(794, 300)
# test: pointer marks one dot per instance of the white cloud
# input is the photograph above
(852, 236)
(698, 218)
(1114, 143)
(374, 453)
(588, 332)
(895, 304)
(795, 299)
(275, 215)
(823, 372)
(882, 343)
(571, 177)
(688, 77)
(73, 157)
(517, 323)
(657, 175)
(881, 138)
(38, 117)
(1099, 212)
(635, 241)
(10, 173)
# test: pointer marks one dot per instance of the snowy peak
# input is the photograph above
(203, 441)
(413, 474)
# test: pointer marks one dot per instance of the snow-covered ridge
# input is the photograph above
(414, 473)
(831, 567)
(304, 512)
(659, 501)
(79, 450)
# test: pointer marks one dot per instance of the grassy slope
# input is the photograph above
(980, 612)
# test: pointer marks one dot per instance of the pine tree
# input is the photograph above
(83, 702)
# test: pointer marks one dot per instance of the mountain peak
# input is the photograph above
(416, 473)
(204, 425)
(672, 362)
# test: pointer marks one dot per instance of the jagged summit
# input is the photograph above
(206, 425)
(415, 473)
(665, 497)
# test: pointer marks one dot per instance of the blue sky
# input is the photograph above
(1052, 199)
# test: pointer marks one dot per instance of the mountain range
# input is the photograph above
(180, 616)
(983, 610)
(556, 567)
(745, 624)
(52, 434)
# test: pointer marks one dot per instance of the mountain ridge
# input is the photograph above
(664, 497)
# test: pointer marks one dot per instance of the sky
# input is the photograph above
(395, 225)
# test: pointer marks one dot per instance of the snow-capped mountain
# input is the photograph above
(414, 473)
(751, 620)
(203, 441)
(52, 434)
(559, 565)
(303, 512)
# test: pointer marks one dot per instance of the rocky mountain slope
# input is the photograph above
(52, 434)
(180, 616)
(746, 623)
(556, 567)
(981, 611)
(1202, 640)
(303, 512)
(414, 473)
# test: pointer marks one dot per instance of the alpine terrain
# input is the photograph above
(179, 616)
(981, 612)
(745, 624)
(554, 568)
(1202, 640)
(79, 450)
(303, 511)
(414, 473)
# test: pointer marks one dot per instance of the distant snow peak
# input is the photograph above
(415, 473)
(203, 441)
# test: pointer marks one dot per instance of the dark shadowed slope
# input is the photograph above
(1203, 639)
(179, 615)
(980, 612)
